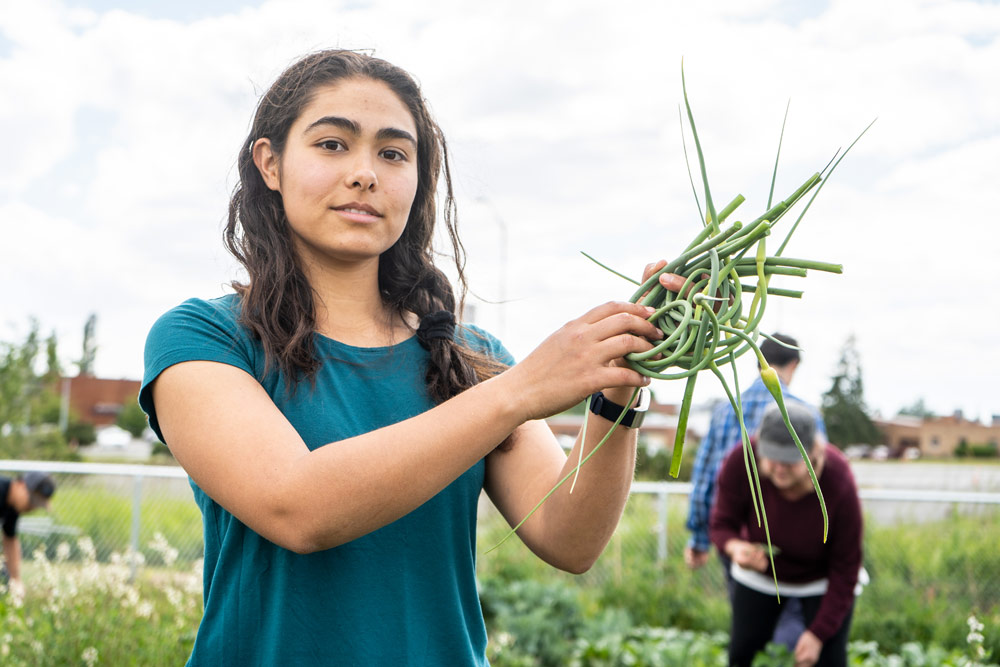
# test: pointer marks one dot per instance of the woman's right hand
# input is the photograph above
(585, 355)
(580, 358)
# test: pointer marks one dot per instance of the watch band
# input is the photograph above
(600, 405)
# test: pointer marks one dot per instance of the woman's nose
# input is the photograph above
(363, 176)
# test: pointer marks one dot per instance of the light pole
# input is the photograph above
(502, 298)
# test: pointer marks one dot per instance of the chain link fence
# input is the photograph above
(142, 509)
(122, 509)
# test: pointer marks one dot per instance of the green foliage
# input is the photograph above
(29, 403)
(132, 418)
(89, 352)
(82, 433)
(655, 647)
(926, 579)
(844, 411)
(161, 454)
(40, 443)
(979, 450)
(986, 450)
(655, 466)
(86, 612)
(541, 619)
(107, 516)
(917, 409)
(671, 595)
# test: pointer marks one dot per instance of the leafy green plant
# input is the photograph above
(652, 647)
(542, 619)
(132, 418)
(84, 611)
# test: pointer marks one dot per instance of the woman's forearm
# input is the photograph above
(378, 477)
(578, 520)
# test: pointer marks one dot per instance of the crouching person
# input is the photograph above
(823, 576)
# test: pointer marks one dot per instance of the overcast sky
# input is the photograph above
(121, 123)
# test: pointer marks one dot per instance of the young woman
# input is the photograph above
(337, 426)
(821, 575)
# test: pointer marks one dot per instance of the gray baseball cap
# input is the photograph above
(773, 439)
(40, 486)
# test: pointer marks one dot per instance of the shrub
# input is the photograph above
(86, 612)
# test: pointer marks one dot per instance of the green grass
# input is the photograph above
(106, 516)
(926, 579)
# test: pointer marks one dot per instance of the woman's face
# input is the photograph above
(348, 174)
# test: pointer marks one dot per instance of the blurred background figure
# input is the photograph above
(723, 435)
(820, 575)
(25, 493)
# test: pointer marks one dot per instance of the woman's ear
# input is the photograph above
(267, 163)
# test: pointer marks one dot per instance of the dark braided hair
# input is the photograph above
(277, 303)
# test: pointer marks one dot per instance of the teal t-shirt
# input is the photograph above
(404, 594)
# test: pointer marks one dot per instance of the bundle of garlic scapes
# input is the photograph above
(707, 323)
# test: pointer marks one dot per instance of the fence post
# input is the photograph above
(661, 546)
(136, 520)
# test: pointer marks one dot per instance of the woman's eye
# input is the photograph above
(332, 145)
(394, 155)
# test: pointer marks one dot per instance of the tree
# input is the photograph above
(132, 418)
(917, 409)
(29, 404)
(86, 363)
(844, 411)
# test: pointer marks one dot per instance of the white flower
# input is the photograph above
(86, 546)
(144, 610)
(62, 552)
(89, 656)
(167, 552)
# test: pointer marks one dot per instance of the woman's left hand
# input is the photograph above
(670, 281)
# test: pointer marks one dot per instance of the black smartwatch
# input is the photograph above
(610, 410)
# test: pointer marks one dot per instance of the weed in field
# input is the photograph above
(78, 609)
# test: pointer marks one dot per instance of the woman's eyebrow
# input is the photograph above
(354, 128)
(345, 124)
(395, 133)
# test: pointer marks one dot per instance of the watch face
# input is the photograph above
(645, 397)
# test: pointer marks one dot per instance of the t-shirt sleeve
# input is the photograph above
(485, 343)
(196, 330)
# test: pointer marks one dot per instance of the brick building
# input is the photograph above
(937, 437)
(98, 401)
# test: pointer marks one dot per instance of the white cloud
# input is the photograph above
(564, 116)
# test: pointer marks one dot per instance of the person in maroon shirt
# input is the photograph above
(822, 575)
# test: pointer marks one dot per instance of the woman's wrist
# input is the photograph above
(630, 412)
(622, 396)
